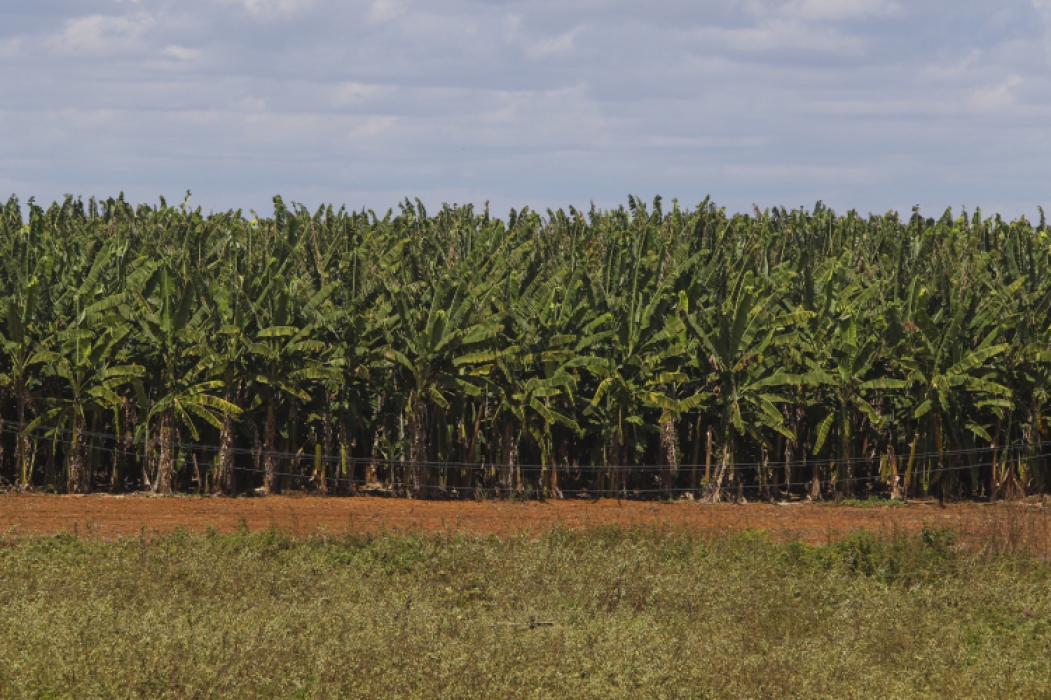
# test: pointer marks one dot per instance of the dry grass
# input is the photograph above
(635, 613)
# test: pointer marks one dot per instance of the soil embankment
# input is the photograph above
(111, 516)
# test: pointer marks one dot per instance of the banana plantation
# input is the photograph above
(647, 351)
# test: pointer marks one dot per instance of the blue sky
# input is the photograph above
(866, 104)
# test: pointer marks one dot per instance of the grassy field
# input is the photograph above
(633, 613)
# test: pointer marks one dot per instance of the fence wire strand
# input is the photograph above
(393, 485)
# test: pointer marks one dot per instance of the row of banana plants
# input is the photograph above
(645, 350)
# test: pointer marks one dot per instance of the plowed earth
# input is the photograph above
(111, 516)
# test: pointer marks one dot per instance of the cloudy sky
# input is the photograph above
(866, 104)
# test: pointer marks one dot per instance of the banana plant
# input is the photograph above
(846, 360)
(948, 369)
(1027, 371)
(177, 389)
(535, 375)
(638, 364)
(89, 368)
(30, 274)
(436, 348)
(626, 336)
(738, 334)
(353, 322)
(845, 366)
(286, 356)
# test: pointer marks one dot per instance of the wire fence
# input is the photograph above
(126, 446)
(382, 461)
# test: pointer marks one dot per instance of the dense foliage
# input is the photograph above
(784, 351)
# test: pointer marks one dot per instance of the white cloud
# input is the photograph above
(374, 126)
(997, 97)
(352, 93)
(181, 53)
(198, 118)
(102, 34)
(791, 171)
(840, 9)
(531, 101)
(11, 47)
(252, 104)
(385, 10)
(272, 7)
(782, 35)
(81, 120)
(552, 46)
(706, 142)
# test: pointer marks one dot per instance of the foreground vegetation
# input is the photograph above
(785, 352)
(632, 614)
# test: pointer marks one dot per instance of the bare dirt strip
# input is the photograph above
(110, 516)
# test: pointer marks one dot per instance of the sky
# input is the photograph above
(864, 104)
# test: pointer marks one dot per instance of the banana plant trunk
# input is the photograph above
(23, 438)
(614, 469)
(764, 485)
(897, 492)
(556, 492)
(226, 483)
(166, 462)
(508, 467)
(669, 443)
(715, 488)
(1038, 450)
(270, 462)
(417, 446)
(475, 477)
(708, 458)
(76, 479)
(845, 469)
(696, 443)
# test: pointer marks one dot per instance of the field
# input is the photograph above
(529, 431)
(372, 597)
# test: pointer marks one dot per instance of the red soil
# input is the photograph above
(109, 516)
